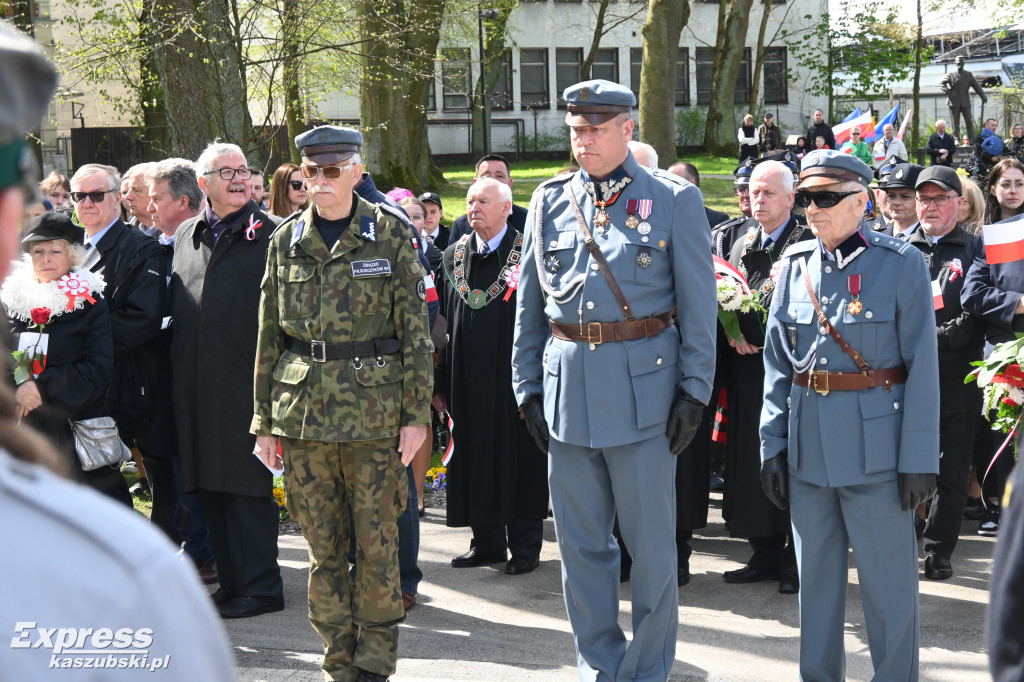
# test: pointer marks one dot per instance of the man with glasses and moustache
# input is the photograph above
(344, 378)
(868, 360)
(134, 271)
(219, 260)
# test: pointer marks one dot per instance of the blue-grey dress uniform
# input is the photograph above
(845, 491)
(606, 403)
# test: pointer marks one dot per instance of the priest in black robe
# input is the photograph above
(497, 478)
(753, 250)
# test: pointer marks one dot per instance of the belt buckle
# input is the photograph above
(318, 351)
(815, 384)
(590, 336)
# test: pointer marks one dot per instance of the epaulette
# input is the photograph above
(891, 243)
(671, 177)
(557, 180)
(731, 222)
(804, 246)
(396, 212)
(286, 221)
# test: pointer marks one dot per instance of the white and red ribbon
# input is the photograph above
(957, 268)
(72, 286)
(512, 277)
(250, 232)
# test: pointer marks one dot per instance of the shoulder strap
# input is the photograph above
(602, 264)
(824, 321)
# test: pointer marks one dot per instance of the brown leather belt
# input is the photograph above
(823, 382)
(603, 332)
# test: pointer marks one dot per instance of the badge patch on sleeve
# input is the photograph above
(368, 228)
(297, 232)
(421, 290)
(371, 268)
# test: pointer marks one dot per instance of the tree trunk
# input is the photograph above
(495, 31)
(915, 119)
(595, 43)
(720, 135)
(293, 110)
(755, 85)
(665, 21)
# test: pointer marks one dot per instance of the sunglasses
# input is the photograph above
(330, 172)
(821, 199)
(299, 184)
(97, 197)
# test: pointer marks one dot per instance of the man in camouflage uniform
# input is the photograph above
(344, 377)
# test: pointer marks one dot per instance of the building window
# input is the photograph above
(455, 79)
(636, 56)
(567, 69)
(705, 69)
(606, 65)
(776, 87)
(533, 78)
(431, 95)
(501, 98)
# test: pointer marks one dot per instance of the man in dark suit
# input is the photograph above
(433, 230)
(687, 171)
(496, 167)
(133, 268)
(941, 145)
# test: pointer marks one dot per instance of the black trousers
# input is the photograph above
(167, 514)
(773, 552)
(243, 531)
(523, 538)
(958, 418)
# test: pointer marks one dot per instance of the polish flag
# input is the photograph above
(1004, 242)
(842, 131)
(937, 294)
(431, 290)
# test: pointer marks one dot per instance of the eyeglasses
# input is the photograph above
(330, 172)
(416, 216)
(741, 190)
(230, 173)
(297, 184)
(97, 197)
(1005, 185)
(855, 134)
(941, 200)
(821, 199)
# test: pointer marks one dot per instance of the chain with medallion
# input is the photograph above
(478, 298)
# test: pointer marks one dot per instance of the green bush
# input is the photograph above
(690, 125)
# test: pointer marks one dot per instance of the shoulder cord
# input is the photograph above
(788, 348)
(574, 285)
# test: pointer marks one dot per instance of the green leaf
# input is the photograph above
(731, 324)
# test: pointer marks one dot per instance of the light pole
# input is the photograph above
(486, 108)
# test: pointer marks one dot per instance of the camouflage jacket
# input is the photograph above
(310, 293)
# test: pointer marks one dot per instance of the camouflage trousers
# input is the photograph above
(332, 488)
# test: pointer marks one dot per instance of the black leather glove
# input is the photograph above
(683, 421)
(916, 489)
(533, 412)
(775, 480)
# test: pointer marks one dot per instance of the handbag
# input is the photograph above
(97, 443)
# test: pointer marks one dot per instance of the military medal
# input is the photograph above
(644, 208)
(551, 264)
(601, 219)
(853, 284)
(631, 220)
(644, 260)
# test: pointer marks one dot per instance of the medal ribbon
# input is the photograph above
(631, 205)
(646, 206)
(250, 232)
(853, 284)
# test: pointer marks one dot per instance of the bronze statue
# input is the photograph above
(957, 86)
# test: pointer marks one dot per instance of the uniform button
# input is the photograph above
(868, 314)
(590, 305)
(789, 402)
(594, 266)
(644, 239)
(553, 244)
(828, 269)
(593, 346)
(824, 299)
(876, 240)
(823, 361)
(792, 315)
(896, 406)
(660, 361)
(822, 330)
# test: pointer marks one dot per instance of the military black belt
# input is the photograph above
(321, 351)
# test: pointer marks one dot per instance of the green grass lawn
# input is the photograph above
(526, 175)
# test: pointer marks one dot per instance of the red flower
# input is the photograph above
(1008, 401)
(40, 315)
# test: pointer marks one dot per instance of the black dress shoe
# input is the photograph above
(473, 558)
(222, 595)
(750, 574)
(367, 676)
(937, 567)
(522, 564)
(246, 607)
(789, 583)
(683, 576)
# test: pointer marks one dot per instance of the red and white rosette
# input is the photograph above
(72, 285)
(512, 277)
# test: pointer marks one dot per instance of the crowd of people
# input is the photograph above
(318, 327)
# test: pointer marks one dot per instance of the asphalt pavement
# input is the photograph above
(481, 624)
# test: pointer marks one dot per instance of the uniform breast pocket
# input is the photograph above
(298, 289)
(560, 258)
(645, 262)
(871, 330)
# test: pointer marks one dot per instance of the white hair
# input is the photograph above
(644, 148)
(215, 150)
(504, 191)
(98, 169)
(767, 167)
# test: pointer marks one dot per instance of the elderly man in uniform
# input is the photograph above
(851, 340)
(754, 252)
(600, 364)
(344, 377)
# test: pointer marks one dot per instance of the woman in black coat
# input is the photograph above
(55, 308)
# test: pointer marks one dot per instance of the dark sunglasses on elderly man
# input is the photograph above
(97, 197)
(330, 172)
(821, 199)
(296, 184)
